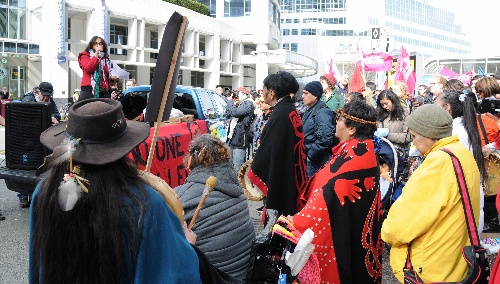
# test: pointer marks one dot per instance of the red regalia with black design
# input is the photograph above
(344, 211)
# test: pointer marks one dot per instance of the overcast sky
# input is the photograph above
(480, 20)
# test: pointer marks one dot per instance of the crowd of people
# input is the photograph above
(302, 155)
(314, 151)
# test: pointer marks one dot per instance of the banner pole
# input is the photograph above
(165, 92)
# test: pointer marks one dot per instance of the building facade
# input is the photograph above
(40, 41)
(259, 24)
(332, 29)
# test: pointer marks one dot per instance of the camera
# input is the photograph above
(119, 94)
(491, 105)
(234, 95)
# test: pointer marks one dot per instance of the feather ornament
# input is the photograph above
(60, 154)
(69, 193)
(71, 188)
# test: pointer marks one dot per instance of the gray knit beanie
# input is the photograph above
(431, 121)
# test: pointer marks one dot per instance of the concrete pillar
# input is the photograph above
(261, 67)
(132, 39)
(52, 72)
(213, 51)
(143, 75)
(186, 78)
(141, 30)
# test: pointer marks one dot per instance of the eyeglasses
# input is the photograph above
(338, 116)
(98, 43)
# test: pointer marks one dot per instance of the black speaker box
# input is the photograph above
(24, 122)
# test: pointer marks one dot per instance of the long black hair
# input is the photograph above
(90, 45)
(462, 105)
(97, 241)
(397, 112)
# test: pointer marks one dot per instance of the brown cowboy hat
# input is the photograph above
(105, 136)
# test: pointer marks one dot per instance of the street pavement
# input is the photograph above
(14, 237)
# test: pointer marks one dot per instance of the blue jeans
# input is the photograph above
(22, 196)
(314, 166)
(238, 157)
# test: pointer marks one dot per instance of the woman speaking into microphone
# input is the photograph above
(95, 63)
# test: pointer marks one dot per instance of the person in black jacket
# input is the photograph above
(319, 128)
(240, 137)
(43, 93)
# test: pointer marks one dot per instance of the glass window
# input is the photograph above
(34, 49)
(237, 8)
(118, 35)
(294, 47)
(296, 21)
(308, 31)
(17, 23)
(286, 46)
(153, 44)
(273, 12)
(9, 47)
(286, 32)
(295, 32)
(3, 22)
(248, 7)
(286, 6)
(211, 4)
(18, 3)
(22, 48)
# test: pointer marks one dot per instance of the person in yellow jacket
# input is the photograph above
(429, 214)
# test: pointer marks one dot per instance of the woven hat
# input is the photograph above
(314, 88)
(105, 136)
(431, 121)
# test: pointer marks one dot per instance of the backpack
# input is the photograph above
(28, 97)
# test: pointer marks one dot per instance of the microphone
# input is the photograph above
(209, 186)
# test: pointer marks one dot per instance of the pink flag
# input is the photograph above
(359, 56)
(333, 69)
(377, 61)
(448, 74)
(404, 71)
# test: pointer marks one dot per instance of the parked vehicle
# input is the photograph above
(203, 104)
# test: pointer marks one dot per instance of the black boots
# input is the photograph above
(491, 224)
